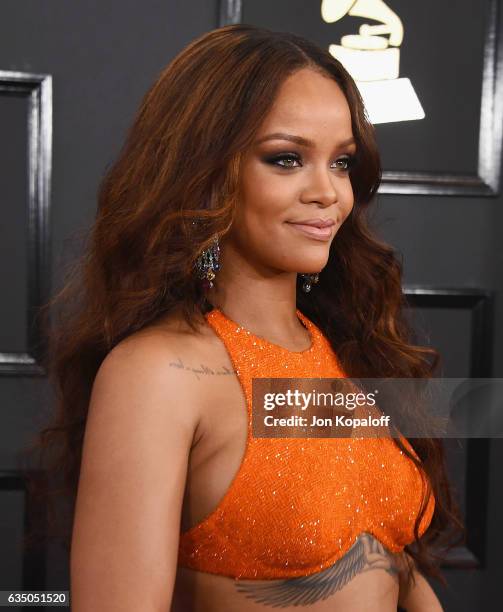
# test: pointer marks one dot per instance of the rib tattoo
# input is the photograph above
(366, 554)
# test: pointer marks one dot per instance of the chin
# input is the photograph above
(312, 265)
(304, 269)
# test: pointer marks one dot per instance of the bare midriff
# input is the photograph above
(374, 590)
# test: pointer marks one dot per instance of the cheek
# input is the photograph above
(264, 194)
(262, 204)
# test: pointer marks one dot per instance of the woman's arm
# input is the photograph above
(139, 431)
(420, 597)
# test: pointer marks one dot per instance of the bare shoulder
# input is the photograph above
(191, 356)
(168, 371)
(169, 349)
(170, 334)
(143, 366)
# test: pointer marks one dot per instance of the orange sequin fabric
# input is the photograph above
(297, 505)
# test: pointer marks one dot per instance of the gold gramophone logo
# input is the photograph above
(372, 58)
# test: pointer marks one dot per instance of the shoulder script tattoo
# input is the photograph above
(201, 369)
(366, 554)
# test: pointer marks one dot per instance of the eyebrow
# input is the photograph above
(299, 139)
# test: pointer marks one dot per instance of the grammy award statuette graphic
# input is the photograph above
(372, 57)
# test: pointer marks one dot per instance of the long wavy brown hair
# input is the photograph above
(181, 162)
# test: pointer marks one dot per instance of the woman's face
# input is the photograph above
(296, 173)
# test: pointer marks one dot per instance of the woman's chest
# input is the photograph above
(308, 489)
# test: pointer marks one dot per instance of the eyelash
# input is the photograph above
(350, 159)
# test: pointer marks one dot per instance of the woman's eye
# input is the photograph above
(284, 158)
(345, 163)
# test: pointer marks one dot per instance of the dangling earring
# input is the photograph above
(309, 280)
(207, 264)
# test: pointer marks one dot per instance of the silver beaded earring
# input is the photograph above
(207, 264)
(309, 281)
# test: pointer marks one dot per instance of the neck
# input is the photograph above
(262, 302)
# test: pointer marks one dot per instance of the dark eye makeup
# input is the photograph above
(347, 161)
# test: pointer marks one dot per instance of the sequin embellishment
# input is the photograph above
(296, 506)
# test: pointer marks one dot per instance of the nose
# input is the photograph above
(321, 188)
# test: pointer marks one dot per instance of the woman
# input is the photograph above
(231, 242)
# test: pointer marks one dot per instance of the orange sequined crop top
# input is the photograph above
(296, 505)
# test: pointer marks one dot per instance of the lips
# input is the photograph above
(320, 223)
(316, 230)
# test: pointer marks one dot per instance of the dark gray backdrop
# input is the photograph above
(88, 65)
